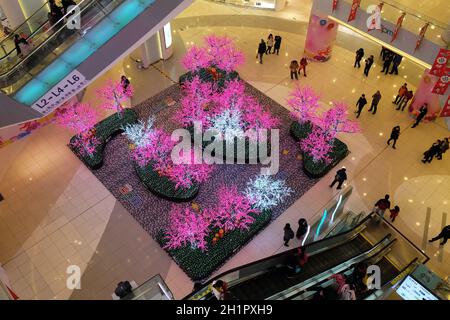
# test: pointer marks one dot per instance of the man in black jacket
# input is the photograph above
(360, 104)
(369, 62)
(341, 176)
(445, 233)
(422, 112)
(394, 136)
(359, 55)
(277, 45)
(375, 100)
(261, 50)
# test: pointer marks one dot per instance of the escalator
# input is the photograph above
(270, 278)
(62, 59)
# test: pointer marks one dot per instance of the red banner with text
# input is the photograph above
(442, 84)
(440, 62)
(353, 10)
(421, 36)
(335, 4)
(398, 26)
(446, 110)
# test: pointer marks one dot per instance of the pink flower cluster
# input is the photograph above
(114, 94)
(304, 104)
(318, 145)
(80, 118)
(219, 52)
(233, 211)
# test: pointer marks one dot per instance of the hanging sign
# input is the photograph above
(398, 26)
(421, 36)
(440, 62)
(335, 3)
(374, 20)
(64, 90)
(442, 84)
(446, 110)
(353, 10)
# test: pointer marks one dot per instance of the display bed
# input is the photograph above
(205, 74)
(199, 265)
(151, 211)
(318, 169)
(105, 130)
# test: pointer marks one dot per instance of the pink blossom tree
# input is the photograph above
(196, 58)
(304, 103)
(233, 210)
(318, 145)
(114, 94)
(336, 120)
(197, 103)
(186, 227)
(80, 118)
(185, 174)
(224, 53)
(157, 151)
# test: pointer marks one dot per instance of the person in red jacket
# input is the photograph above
(394, 213)
(303, 64)
(404, 100)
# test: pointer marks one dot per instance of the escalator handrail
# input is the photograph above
(31, 53)
(11, 35)
(330, 239)
(375, 249)
(344, 220)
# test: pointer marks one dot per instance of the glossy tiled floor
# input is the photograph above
(56, 213)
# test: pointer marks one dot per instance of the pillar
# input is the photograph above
(157, 47)
(13, 12)
(423, 95)
(17, 11)
(320, 38)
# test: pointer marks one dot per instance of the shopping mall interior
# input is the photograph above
(85, 222)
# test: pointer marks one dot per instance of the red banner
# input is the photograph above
(398, 26)
(440, 62)
(446, 110)
(421, 35)
(335, 3)
(442, 84)
(353, 10)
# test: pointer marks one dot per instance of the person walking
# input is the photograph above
(395, 63)
(360, 104)
(302, 228)
(303, 64)
(444, 146)
(125, 82)
(270, 43)
(20, 43)
(375, 100)
(288, 234)
(444, 234)
(404, 100)
(294, 69)
(358, 57)
(220, 290)
(277, 45)
(55, 13)
(261, 50)
(395, 133)
(422, 112)
(430, 153)
(369, 62)
(381, 206)
(340, 177)
(387, 63)
(401, 92)
(394, 213)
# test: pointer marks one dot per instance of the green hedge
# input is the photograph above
(105, 130)
(318, 169)
(163, 187)
(206, 76)
(198, 265)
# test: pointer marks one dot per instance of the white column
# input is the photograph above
(166, 41)
(157, 47)
(13, 12)
(31, 6)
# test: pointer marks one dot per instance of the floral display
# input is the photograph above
(304, 104)
(318, 145)
(265, 192)
(114, 95)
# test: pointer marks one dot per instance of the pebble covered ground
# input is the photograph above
(152, 212)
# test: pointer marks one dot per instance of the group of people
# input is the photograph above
(362, 101)
(289, 233)
(266, 47)
(389, 58)
(403, 97)
(384, 204)
(296, 68)
(436, 150)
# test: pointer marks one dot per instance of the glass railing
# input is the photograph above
(413, 21)
(61, 50)
(152, 289)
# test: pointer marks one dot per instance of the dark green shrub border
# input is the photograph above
(318, 169)
(105, 131)
(199, 265)
(164, 188)
(206, 76)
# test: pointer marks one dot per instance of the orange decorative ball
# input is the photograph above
(285, 152)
